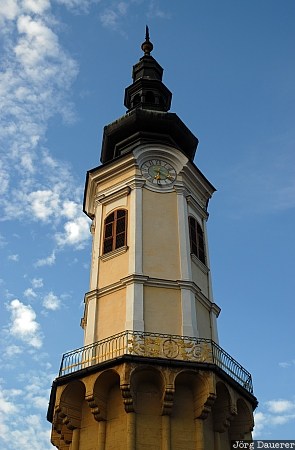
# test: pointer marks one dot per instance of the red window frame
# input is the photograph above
(197, 239)
(115, 231)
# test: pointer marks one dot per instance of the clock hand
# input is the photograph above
(158, 175)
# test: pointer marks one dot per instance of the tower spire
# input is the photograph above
(151, 374)
(147, 46)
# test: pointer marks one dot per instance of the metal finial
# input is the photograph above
(147, 46)
(147, 34)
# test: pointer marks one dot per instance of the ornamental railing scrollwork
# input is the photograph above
(155, 345)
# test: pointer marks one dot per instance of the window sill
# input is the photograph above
(199, 263)
(114, 253)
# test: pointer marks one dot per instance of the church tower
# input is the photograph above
(151, 374)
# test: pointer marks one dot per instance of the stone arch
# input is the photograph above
(202, 390)
(223, 409)
(68, 414)
(106, 405)
(147, 382)
(98, 398)
(192, 400)
(147, 386)
(243, 423)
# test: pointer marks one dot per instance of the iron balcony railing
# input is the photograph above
(155, 345)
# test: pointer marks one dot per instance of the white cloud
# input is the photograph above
(76, 232)
(44, 204)
(70, 209)
(14, 258)
(51, 301)
(277, 413)
(122, 8)
(3, 241)
(8, 10)
(37, 283)
(12, 350)
(281, 420)
(4, 177)
(48, 261)
(35, 78)
(30, 293)
(6, 406)
(156, 12)
(111, 16)
(285, 364)
(23, 324)
(38, 42)
(36, 6)
(260, 420)
(40, 402)
(280, 406)
(78, 5)
(18, 422)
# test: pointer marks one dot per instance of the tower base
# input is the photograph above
(137, 403)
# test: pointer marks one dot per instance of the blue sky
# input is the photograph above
(63, 71)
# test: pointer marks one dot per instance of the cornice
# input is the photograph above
(137, 182)
(154, 282)
(211, 307)
(89, 295)
(105, 198)
(180, 189)
(134, 278)
(159, 282)
(215, 309)
(193, 202)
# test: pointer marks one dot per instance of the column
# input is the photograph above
(135, 228)
(216, 440)
(96, 230)
(90, 317)
(134, 291)
(75, 439)
(188, 304)
(131, 431)
(210, 292)
(199, 423)
(101, 434)
(183, 234)
(214, 311)
(188, 310)
(134, 304)
(166, 433)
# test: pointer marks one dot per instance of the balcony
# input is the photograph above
(155, 345)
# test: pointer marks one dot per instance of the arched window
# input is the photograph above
(196, 239)
(149, 97)
(115, 231)
(136, 100)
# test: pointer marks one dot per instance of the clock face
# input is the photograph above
(158, 172)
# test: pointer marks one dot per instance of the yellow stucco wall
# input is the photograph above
(200, 278)
(162, 310)
(111, 310)
(203, 321)
(88, 430)
(112, 270)
(116, 421)
(160, 235)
